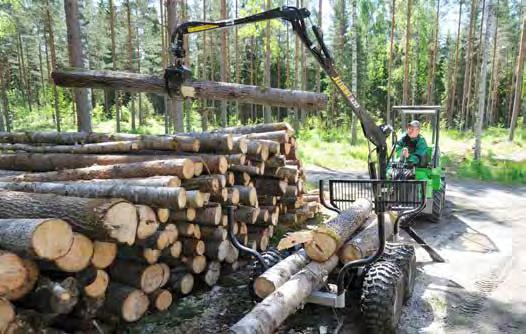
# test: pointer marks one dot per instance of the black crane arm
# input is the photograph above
(177, 72)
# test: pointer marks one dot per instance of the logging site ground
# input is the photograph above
(478, 289)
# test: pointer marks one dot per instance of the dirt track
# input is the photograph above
(479, 290)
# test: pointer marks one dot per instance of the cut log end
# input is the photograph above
(163, 214)
(161, 299)
(147, 222)
(187, 284)
(122, 219)
(79, 255)
(98, 287)
(321, 247)
(134, 306)
(188, 170)
(7, 314)
(52, 239)
(103, 254)
(263, 287)
(12, 272)
(152, 278)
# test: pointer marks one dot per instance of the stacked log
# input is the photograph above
(113, 225)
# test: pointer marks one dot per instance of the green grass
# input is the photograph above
(502, 161)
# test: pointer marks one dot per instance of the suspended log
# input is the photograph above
(322, 242)
(181, 281)
(126, 302)
(266, 316)
(36, 238)
(98, 148)
(183, 168)
(97, 218)
(166, 197)
(53, 297)
(135, 82)
(148, 278)
(256, 128)
(279, 274)
(103, 254)
(78, 256)
(365, 242)
(160, 300)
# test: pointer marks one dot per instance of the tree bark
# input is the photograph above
(97, 218)
(266, 316)
(173, 198)
(36, 238)
(468, 65)
(517, 101)
(453, 88)
(135, 82)
(405, 92)
(77, 59)
(182, 168)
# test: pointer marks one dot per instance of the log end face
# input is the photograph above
(98, 287)
(121, 220)
(152, 278)
(52, 239)
(79, 255)
(263, 287)
(163, 214)
(134, 306)
(188, 169)
(12, 271)
(164, 300)
(321, 248)
(104, 254)
(187, 284)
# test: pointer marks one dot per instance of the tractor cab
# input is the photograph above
(429, 169)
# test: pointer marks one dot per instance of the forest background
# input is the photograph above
(466, 56)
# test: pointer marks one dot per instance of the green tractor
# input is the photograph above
(429, 169)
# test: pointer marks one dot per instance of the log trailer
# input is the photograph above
(384, 280)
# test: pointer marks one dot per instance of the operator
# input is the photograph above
(412, 147)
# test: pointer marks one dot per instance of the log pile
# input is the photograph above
(99, 227)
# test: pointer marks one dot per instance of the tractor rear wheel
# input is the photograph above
(382, 297)
(404, 256)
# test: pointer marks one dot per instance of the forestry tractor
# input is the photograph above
(384, 280)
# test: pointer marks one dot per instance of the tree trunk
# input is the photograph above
(433, 61)
(77, 59)
(468, 65)
(494, 81)
(454, 74)
(280, 273)
(266, 316)
(114, 66)
(3, 95)
(390, 63)
(405, 93)
(46, 239)
(484, 46)
(175, 105)
(130, 59)
(517, 101)
(135, 82)
(354, 66)
(173, 198)
(183, 168)
(267, 111)
(95, 217)
(128, 303)
(224, 63)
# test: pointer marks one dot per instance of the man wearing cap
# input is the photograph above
(412, 147)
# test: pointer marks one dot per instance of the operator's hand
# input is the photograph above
(405, 152)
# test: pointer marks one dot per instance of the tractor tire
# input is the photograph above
(439, 201)
(405, 258)
(382, 297)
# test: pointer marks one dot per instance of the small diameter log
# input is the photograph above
(275, 161)
(174, 251)
(233, 196)
(266, 316)
(220, 196)
(204, 183)
(260, 236)
(148, 278)
(212, 274)
(163, 214)
(193, 247)
(98, 148)
(13, 272)
(46, 239)
(126, 302)
(240, 145)
(159, 240)
(186, 229)
(97, 218)
(279, 136)
(213, 233)
(273, 214)
(209, 216)
(182, 168)
(241, 178)
(250, 170)
(160, 300)
(280, 273)
(246, 214)
(233, 253)
(329, 237)
(181, 281)
(285, 149)
(247, 196)
(236, 159)
(138, 254)
(198, 168)
(217, 249)
(7, 314)
(31, 277)
(290, 173)
(165, 197)
(365, 242)
(270, 186)
(257, 128)
(263, 217)
(99, 286)
(103, 254)
(153, 181)
(53, 297)
(212, 163)
(78, 256)
(267, 200)
(195, 264)
(147, 224)
(273, 146)
(195, 199)
(188, 215)
(166, 274)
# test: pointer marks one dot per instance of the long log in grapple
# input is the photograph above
(384, 277)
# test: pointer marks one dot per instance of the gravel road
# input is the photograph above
(480, 289)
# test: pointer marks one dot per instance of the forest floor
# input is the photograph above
(478, 290)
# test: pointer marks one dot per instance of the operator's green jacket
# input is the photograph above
(417, 148)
